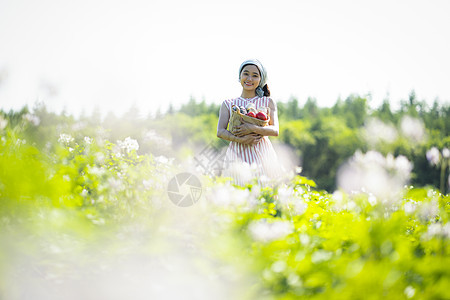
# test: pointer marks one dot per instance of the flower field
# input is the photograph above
(84, 217)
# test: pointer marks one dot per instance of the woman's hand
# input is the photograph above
(250, 139)
(243, 129)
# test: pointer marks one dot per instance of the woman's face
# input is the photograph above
(250, 77)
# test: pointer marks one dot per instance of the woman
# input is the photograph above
(250, 153)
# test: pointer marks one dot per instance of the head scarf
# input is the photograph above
(259, 91)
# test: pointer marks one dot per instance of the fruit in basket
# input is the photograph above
(261, 115)
(252, 109)
(235, 108)
(251, 114)
(250, 106)
(263, 109)
(243, 110)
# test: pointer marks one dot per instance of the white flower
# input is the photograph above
(264, 231)
(409, 207)
(383, 177)
(3, 123)
(279, 266)
(371, 157)
(351, 205)
(163, 160)
(304, 239)
(375, 131)
(403, 166)
(147, 183)
(225, 195)
(115, 184)
(286, 195)
(241, 170)
(87, 140)
(129, 144)
(320, 256)
(99, 157)
(429, 210)
(338, 196)
(433, 156)
(65, 138)
(288, 198)
(339, 201)
(446, 230)
(300, 206)
(33, 119)
(434, 229)
(446, 153)
(94, 170)
(438, 230)
(372, 200)
(409, 292)
(412, 128)
(389, 162)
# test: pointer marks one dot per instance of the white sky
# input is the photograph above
(112, 54)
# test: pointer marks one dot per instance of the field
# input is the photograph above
(85, 217)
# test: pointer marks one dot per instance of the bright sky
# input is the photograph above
(112, 54)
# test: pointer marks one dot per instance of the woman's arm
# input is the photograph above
(223, 133)
(270, 130)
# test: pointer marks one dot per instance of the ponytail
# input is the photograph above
(266, 90)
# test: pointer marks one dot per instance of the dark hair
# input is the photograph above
(266, 90)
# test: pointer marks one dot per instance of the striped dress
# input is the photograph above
(243, 162)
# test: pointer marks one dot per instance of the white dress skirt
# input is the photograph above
(244, 163)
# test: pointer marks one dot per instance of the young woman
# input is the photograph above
(250, 153)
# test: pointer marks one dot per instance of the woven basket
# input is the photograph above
(237, 119)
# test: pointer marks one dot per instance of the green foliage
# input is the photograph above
(69, 200)
(326, 137)
(192, 108)
(353, 110)
(322, 144)
(347, 248)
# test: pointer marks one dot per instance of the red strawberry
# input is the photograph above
(262, 116)
(251, 114)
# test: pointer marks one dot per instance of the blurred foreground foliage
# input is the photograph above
(70, 201)
(307, 243)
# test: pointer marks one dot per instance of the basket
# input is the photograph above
(237, 119)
